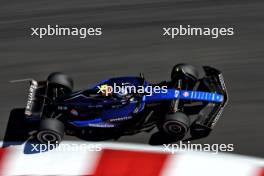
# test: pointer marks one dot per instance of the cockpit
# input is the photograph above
(119, 88)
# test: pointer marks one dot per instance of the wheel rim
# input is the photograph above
(47, 136)
(174, 128)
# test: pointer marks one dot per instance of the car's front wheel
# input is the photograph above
(175, 125)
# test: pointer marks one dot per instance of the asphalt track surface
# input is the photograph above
(132, 42)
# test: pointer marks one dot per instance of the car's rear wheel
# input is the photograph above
(50, 131)
(61, 81)
(175, 125)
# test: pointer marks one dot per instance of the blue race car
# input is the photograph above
(128, 105)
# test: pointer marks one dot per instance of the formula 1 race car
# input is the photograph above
(120, 106)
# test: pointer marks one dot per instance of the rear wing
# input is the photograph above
(214, 81)
(31, 97)
(36, 98)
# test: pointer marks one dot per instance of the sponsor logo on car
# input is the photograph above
(101, 125)
(186, 94)
(176, 93)
(74, 112)
(31, 94)
(120, 119)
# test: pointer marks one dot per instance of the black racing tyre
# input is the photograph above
(175, 125)
(199, 131)
(184, 71)
(50, 131)
(60, 79)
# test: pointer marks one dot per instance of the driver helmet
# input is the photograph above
(123, 93)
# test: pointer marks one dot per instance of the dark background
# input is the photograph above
(132, 42)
